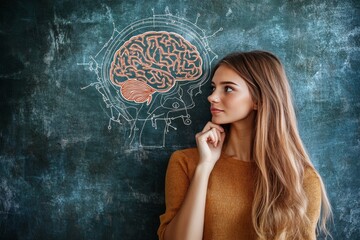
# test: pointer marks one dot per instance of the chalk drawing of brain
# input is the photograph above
(153, 62)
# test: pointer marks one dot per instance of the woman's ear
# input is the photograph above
(255, 107)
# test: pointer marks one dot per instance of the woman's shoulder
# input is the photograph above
(187, 158)
(187, 152)
(311, 174)
(312, 180)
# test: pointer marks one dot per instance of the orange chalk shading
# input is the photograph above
(136, 91)
(153, 62)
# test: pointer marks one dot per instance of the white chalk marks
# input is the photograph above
(149, 73)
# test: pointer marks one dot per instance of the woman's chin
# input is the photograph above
(217, 121)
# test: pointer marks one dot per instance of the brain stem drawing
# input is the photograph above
(152, 62)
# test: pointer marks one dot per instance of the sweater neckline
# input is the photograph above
(236, 160)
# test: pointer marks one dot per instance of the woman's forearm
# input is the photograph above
(189, 220)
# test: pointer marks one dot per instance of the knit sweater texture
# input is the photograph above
(229, 196)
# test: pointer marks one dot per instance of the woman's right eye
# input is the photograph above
(228, 89)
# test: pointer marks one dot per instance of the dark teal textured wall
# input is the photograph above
(65, 175)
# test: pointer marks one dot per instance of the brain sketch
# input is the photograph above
(149, 73)
(153, 62)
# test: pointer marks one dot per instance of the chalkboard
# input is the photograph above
(83, 152)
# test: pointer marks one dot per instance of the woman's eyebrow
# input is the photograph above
(226, 83)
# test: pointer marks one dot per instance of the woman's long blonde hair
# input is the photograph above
(280, 202)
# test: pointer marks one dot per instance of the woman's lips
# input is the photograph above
(215, 110)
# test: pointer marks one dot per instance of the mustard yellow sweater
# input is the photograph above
(229, 196)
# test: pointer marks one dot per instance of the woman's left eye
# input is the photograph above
(228, 89)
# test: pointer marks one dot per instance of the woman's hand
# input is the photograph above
(209, 142)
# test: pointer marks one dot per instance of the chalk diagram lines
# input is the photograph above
(149, 73)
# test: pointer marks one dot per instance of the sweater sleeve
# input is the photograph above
(312, 187)
(177, 182)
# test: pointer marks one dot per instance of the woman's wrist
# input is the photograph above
(204, 168)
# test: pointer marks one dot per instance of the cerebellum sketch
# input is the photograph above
(149, 73)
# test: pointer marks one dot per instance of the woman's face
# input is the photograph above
(230, 100)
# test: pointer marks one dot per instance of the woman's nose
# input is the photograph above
(213, 98)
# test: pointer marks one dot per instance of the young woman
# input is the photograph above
(250, 176)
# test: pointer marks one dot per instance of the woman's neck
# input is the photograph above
(240, 141)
